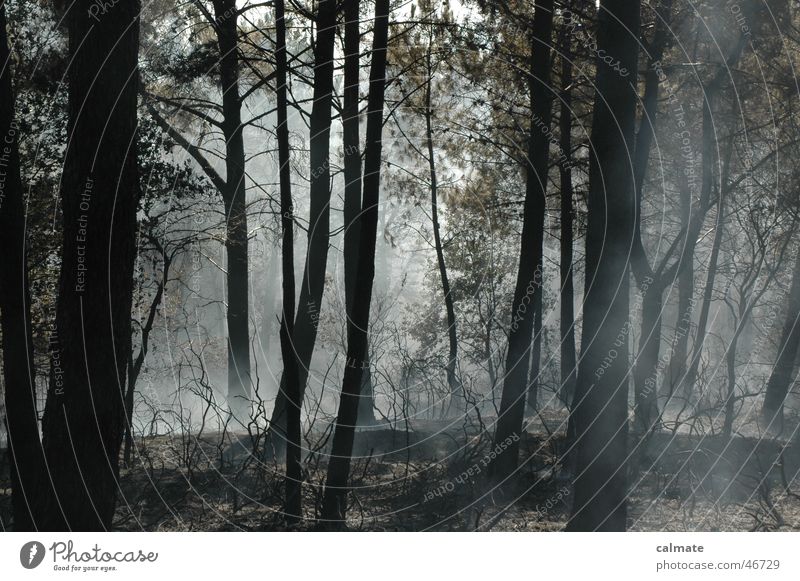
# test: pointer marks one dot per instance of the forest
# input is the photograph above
(402, 265)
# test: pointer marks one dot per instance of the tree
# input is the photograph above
(529, 276)
(294, 507)
(745, 288)
(352, 180)
(169, 196)
(84, 416)
(452, 332)
(783, 371)
(304, 334)
(600, 407)
(334, 505)
(136, 361)
(654, 280)
(651, 284)
(232, 189)
(22, 420)
(567, 296)
(710, 160)
(233, 195)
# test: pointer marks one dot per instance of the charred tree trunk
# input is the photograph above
(311, 290)
(567, 304)
(452, 335)
(536, 350)
(730, 396)
(534, 367)
(646, 369)
(512, 403)
(22, 420)
(680, 344)
(84, 417)
(352, 182)
(600, 409)
(334, 506)
(783, 372)
(352, 147)
(294, 506)
(239, 384)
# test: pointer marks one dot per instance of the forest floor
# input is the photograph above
(433, 477)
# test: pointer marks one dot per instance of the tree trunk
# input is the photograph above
(352, 182)
(600, 409)
(709, 158)
(783, 372)
(234, 196)
(311, 290)
(684, 382)
(702, 323)
(680, 344)
(84, 416)
(536, 346)
(452, 336)
(567, 304)
(334, 504)
(294, 505)
(22, 420)
(529, 275)
(730, 396)
(646, 370)
(352, 148)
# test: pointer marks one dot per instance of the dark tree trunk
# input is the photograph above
(22, 421)
(352, 182)
(646, 369)
(334, 506)
(529, 276)
(234, 196)
(452, 336)
(730, 399)
(311, 290)
(534, 368)
(84, 417)
(600, 409)
(352, 147)
(783, 372)
(294, 506)
(567, 304)
(680, 345)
